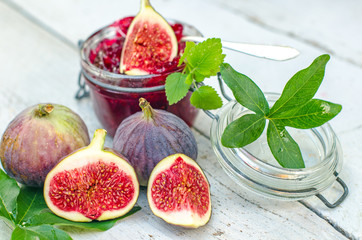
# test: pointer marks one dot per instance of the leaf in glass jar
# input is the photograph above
(283, 147)
(301, 87)
(9, 191)
(313, 114)
(245, 91)
(243, 131)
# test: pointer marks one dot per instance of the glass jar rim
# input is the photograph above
(109, 31)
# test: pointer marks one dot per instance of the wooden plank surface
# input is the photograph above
(41, 64)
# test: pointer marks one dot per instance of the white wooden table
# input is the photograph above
(39, 62)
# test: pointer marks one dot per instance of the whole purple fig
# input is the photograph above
(36, 140)
(147, 137)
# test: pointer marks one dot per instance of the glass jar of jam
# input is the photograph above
(115, 95)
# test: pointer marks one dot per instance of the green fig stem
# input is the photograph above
(98, 140)
(147, 110)
(44, 109)
(145, 3)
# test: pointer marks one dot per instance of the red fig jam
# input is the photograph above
(114, 95)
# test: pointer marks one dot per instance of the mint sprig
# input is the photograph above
(295, 108)
(25, 210)
(201, 61)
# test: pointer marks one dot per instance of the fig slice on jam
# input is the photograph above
(92, 183)
(179, 193)
(149, 44)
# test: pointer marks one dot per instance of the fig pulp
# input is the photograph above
(37, 138)
(147, 137)
(149, 44)
(92, 184)
(179, 193)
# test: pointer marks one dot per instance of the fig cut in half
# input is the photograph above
(179, 193)
(92, 184)
(150, 43)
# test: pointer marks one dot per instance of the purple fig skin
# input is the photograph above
(38, 138)
(145, 138)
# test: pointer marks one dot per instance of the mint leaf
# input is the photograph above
(9, 191)
(47, 217)
(302, 86)
(188, 49)
(176, 88)
(42, 232)
(283, 147)
(245, 91)
(313, 114)
(205, 97)
(243, 131)
(189, 80)
(30, 202)
(201, 61)
(204, 59)
(198, 77)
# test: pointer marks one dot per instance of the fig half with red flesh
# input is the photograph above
(149, 44)
(92, 183)
(179, 193)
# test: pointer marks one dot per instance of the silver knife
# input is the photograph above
(278, 53)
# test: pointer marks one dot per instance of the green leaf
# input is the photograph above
(9, 191)
(201, 61)
(205, 97)
(198, 77)
(204, 59)
(176, 87)
(312, 114)
(243, 131)
(245, 91)
(47, 217)
(301, 87)
(283, 147)
(30, 202)
(189, 48)
(42, 232)
(189, 79)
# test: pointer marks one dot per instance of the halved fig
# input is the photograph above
(92, 183)
(179, 193)
(150, 43)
